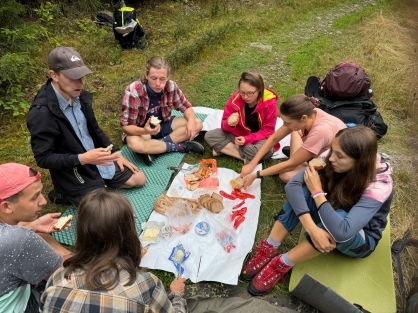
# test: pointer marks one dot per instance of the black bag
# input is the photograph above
(127, 29)
(359, 110)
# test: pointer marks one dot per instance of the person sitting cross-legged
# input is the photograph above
(155, 96)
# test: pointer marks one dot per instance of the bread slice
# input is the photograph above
(117, 153)
(233, 118)
(155, 120)
(237, 183)
(317, 163)
(62, 221)
(108, 148)
(217, 196)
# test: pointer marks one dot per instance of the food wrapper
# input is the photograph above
(180, 217)
(167, 232)
(150, 233)
(202, 175)
(178, 256)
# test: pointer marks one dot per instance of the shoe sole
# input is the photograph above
(247, 277)
(256, 292)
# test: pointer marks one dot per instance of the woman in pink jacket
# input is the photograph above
(249, 119)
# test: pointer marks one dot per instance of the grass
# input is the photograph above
(207, 43)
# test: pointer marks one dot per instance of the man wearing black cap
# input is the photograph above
(66, 138)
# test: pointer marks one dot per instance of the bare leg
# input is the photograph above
(278, 232)
(302, 252)
(54, 244)
(295, 141)
(143, 145)
(286, 176)
(138, 179)
(179, 129)
(232, 150)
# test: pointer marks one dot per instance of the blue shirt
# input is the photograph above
(79, 123)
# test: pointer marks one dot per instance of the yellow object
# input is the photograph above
(150, 234)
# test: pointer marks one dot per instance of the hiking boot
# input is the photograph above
(265, 253)
(192, 146)
(269, 276)
(57, 198)
(148, 159)
(286, 151)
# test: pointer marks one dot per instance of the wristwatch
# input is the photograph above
(258, 175)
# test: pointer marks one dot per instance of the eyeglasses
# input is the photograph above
(248, 94)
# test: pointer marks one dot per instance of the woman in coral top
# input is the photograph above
(312, 131)
(249, 118)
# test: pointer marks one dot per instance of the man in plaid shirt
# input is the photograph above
(155, 96)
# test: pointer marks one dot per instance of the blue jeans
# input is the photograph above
(359, 246)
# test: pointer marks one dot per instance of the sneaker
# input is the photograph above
(192, 146)
(269, 276)
(286, 151)
(57, 198)
(265, 253)
(146, 158)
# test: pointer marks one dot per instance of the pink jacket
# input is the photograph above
(267, 116)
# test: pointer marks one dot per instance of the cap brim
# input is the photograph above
(77, 73)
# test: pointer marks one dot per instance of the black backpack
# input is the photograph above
(128, 37)
(360, 110)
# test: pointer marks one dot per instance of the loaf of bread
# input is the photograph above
(155, 120)
(317, 163)
(62, 221)
(233, 118)
(165, 202)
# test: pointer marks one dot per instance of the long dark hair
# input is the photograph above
(107, 241)
(254, 79)
(345, 189)
(296, 106)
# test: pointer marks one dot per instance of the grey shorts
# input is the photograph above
(217, 139)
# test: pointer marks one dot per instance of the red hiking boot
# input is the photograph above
(269, 276)
(265, 252)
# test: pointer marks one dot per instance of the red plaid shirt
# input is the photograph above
(135, 103)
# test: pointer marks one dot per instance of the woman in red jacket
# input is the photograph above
(249, 119)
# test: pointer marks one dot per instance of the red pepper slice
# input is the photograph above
(238, 205)
(242, 195)
(227, 195)
(238, 221)
(238, 213)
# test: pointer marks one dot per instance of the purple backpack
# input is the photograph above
(345, 81)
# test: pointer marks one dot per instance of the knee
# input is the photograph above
(138, 179)
(285, 176)
(136, 145)
(199, 124)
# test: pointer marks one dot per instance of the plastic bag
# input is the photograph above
(178, 256)
(150, 233)
(180, 217)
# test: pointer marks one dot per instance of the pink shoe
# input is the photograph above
(269, 276)
(265, 252)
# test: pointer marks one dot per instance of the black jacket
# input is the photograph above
(56, 146)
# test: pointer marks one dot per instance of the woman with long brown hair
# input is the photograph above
(345, 208)
(104, 273)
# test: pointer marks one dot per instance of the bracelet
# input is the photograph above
(317, 192)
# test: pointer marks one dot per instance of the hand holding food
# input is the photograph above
(317, 163)
(233, 119)
(62, 221)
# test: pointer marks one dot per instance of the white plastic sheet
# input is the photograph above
(208, 260)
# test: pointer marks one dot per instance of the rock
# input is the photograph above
(261, 46)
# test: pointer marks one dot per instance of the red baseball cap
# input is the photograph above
(14, 178)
